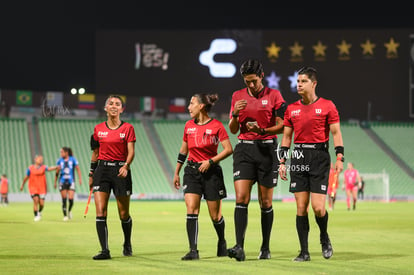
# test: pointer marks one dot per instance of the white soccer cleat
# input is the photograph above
(37, 218)
(65, 218)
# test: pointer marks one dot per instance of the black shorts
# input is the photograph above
(210, 184)
(257, 161)
(309, 170)
(66, 186)
(105, 179)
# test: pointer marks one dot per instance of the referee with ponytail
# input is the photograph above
(203, 175)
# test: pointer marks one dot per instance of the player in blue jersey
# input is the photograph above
(67, 164)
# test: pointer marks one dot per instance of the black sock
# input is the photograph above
(64, 207)
(219, 226)
(127, 229)
(302, 227)
(192, 230)
(102, 230)
(267, 223)
(240, 222)
(323, 225)
(35, 213)
(70, 204)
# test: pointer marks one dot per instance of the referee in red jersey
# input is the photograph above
(113, 145)
(203, 175)
(310, 120)
(257, 111)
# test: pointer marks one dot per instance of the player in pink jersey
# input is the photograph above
(113, 150)
(351, 182)
(309, 121)
(257, 112)
(203, 175)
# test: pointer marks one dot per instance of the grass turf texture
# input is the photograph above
(377, 238)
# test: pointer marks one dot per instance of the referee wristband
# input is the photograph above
(181, 158)
(94, 164)
(339, 150)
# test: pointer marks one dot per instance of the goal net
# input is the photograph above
(376, 186)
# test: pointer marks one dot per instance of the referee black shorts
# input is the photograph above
(256, 160)
(309, 170)
(209, 185)
(105, 179)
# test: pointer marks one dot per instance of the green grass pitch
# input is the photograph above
(377, 238)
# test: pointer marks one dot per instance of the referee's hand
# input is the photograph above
(282, 171)
(176, 181)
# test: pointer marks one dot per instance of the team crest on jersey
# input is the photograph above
(295, 113)
(209, 131)
(264, 102)
(122, 135)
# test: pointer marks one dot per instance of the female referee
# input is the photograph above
(203, 175)
(257, 111)
(113, 145)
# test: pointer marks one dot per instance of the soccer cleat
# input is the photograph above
(264, 254)
(103, 255)
(237, 252)
(327, 250)
(37, 218)
(222, 249)
(302, 257)
(70, 215)
(192, 255)
(65, 218)
(127, 250)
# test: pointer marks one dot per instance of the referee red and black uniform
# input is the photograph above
(203, 141)
(112, 155)
(254, 156)
(310, 160)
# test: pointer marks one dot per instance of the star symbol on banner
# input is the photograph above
(273, 80)
(368, 47)
(344, 48)
(296, 52)
(392, 48)
(319, 49)
(296, 49)
(293, 81)
(273, 51)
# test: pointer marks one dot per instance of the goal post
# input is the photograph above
(377, 186)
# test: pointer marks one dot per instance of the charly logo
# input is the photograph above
(219, 69)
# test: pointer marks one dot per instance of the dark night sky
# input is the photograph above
(50, 45)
